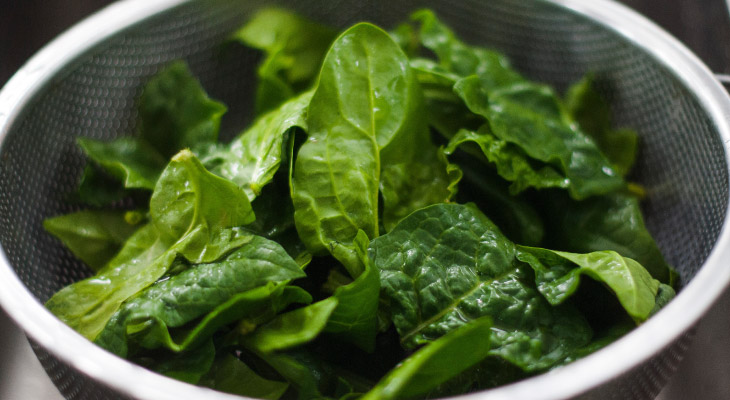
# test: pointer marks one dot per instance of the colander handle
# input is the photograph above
(724, 79)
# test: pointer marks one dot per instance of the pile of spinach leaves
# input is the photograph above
(380, 231)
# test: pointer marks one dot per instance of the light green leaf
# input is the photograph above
(253, 158)
(95, 237)
(557, 275)
(436, 362)
(293, 328)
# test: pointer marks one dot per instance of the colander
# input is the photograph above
(85, 84)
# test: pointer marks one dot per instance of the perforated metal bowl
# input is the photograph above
(85, 82)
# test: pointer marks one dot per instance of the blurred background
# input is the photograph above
(702, 25)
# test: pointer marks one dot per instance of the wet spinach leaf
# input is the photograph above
(193, 214)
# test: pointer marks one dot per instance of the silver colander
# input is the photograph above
(86, 81)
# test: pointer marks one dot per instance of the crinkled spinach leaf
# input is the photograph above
(530, 116)
(557, 275)
(198, 291)
(193, 213)
(510, 161)
(446, 265)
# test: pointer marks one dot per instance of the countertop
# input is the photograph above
(703, 25)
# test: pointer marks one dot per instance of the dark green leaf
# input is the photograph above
(612, 222)
(512, 164)
(446, 265)
(294, 48)
(95, 237)
(514, 215)
(593, 114)
(97, 188)
(557, 275)
(229, 374)
(436, 363)
(187, 367)
(176, 113)
(131, 160)
(530, 116)
(198, 291)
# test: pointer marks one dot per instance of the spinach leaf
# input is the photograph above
(557, 275)
(193, 214)
(612, 222)
(293, 328)
(95, 237)
(175, 112)
(410, 183)
(97, 188)
(229, 374)
(593, 114)
(436, 362)
(446, 112)
(446, 265)
(188, 367)
(131, 160)
(253, 158)
(294, 48)
(198, 291)
(363, 100)
(511, 162)
(459, 58)
(195, 210)
(354, 319)
(515, 215)
(531, 117)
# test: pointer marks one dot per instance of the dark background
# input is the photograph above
(703, 26)
(26, 25)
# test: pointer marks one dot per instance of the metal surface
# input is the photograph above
(85, 83)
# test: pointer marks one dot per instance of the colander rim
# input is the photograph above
(576, 378)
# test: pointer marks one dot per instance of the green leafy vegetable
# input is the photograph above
(294, 48)
(529, 116)
(446, 265)
(199, 290)
(612, 222)
(193, 213)
(594, 116)
(230, 375)
(436, 363)
(349, 243)
(93, 236)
